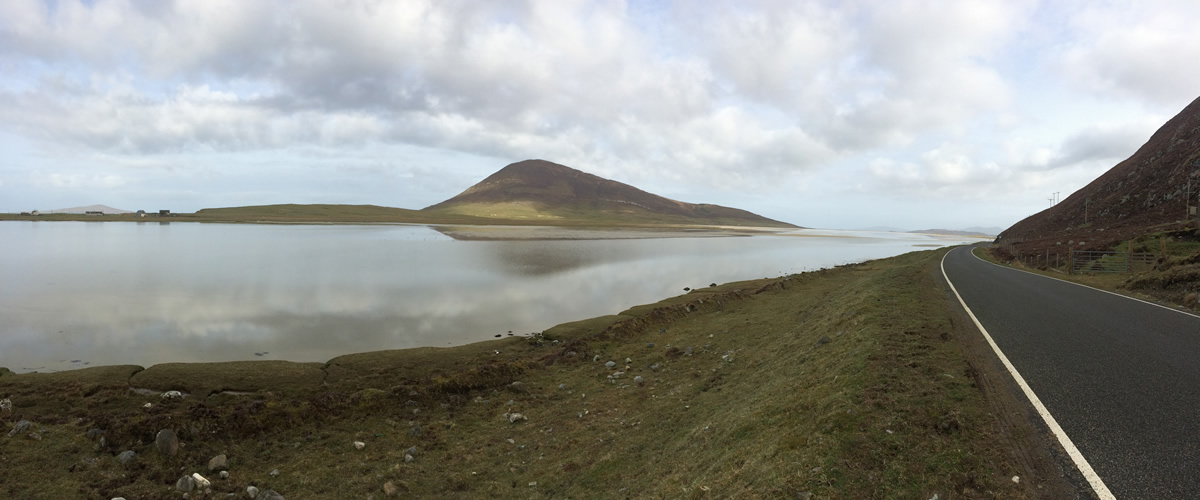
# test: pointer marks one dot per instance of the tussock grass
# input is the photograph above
(842, 383)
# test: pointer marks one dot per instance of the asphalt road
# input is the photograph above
(1121, 377)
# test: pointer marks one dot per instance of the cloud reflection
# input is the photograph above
(123, 293)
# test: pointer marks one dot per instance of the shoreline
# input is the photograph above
(817, 383)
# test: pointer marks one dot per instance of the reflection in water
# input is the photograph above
(143, 293)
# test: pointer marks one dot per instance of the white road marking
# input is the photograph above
(1081, 463)
(1085, 286)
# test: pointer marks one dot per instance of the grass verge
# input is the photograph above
(840, 383)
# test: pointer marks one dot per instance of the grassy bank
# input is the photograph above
(1170, 276)
(843, 383)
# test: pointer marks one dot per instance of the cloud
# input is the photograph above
(1142, 50)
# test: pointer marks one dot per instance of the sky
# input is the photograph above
(839, 114)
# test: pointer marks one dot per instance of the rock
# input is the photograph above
(595, 358)
(94, 433)
(562, 387)
(148, 406)
(118, 498)
(628, 360)
(412, 450)
(185, 484)
(218, 463)
(617, 374)
(269, 495)
(126, 457)
(517, 387)
(390, 489)
(201, 481)
(223, 474)
(167, 443)
(358, 445)
(687, 351)
(516, 417)
(408, 458)
(1017, 479)
(20, 428)
(35, 436)
(251, 492)
(6, 405)
(274, 472)
(639, 380)
(654, 367)
(610, 364)
(651, 344)
(172, 395)
(823, 340)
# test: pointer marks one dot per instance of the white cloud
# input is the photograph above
(1144, 50)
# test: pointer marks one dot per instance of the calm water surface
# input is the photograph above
(74, 294)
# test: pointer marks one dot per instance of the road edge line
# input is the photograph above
(1081, 463)
(1085, 286)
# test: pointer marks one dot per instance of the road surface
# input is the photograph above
(1120, 377)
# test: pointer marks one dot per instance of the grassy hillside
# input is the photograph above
(844, 383)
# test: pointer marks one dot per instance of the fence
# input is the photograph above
(1090, 261)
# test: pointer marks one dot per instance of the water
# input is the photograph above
(75, 294)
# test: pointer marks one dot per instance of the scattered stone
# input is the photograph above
(651, 344)
(185, 484)
(269, 495)
(148, 406)
(172, 395)
(517, 387)
(408, 458)
(655, 367)
(274, 472)
(516, 417)
(687, 351)
(201, 481)
(390, 488)
(1017, 479)
(251, 492)
(511, 441)
(412, 450)
(562, 387)
(223, 474)
(94, 433)
(167, 443)
(823, 340)
(359, 445)
(126, 457)
(218, 463)
(412, 404)
(628, 360)
(610, 364)
(35, 436)
(118, 498)
(639, 380)
(6, 405)
(20, 428)
(595, 358)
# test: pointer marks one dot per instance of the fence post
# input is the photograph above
(1071, 262)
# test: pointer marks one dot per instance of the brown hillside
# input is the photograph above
(549, 190)
(1145, 193)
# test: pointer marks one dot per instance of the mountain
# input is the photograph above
(1145, 193)
(545, 191)
(90, 208)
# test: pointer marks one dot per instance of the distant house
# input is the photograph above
(26, 213)
(141, 213)
(164, 213)
(93, 212)
(35, 212)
